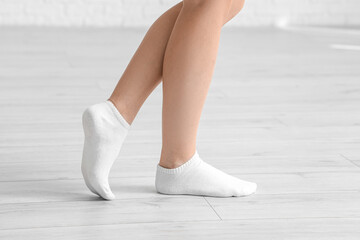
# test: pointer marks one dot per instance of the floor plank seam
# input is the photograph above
(281, 122)
(127, 177)
(184, 221)
(213, 208)
(110, 224)
(349, 160)
(137, 198)
(184, 196)
(98, 199)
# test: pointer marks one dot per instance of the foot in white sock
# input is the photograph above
(105, 130)
(196, 177)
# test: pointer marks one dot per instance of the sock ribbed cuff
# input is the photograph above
(118, 114)
(193, 160)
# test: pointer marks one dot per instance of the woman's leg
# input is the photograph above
(188, 67)
(144, 72)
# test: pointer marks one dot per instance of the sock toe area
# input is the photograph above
(249, 188)
(105, 192)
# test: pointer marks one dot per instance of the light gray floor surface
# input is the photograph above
(283, 111)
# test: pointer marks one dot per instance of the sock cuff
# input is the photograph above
(194, 159)
(118, 114)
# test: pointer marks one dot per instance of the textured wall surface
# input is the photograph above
(144, 12)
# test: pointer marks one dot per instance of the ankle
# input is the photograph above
(174, 160)
(122, 110)
(170, 165)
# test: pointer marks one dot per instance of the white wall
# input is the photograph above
(144, 12)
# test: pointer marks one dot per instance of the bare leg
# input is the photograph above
(188, 67)
(144, 71)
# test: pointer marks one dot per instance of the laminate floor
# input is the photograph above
(283, 110)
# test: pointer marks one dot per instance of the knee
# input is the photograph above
(219, 6)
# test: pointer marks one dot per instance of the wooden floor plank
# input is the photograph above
(49, 190)
(99, 212)
(315, 205)
(289, 229)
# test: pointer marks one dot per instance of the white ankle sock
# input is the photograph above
(196, 177)
(105, 130)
